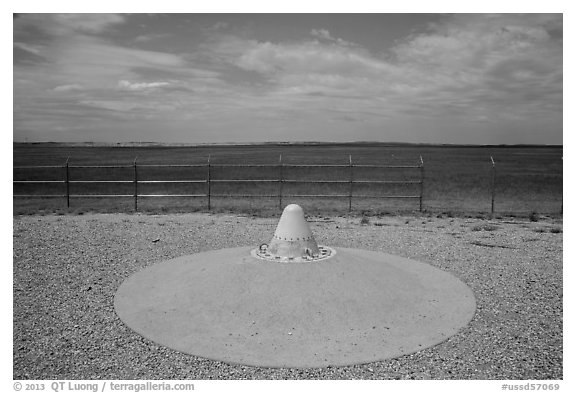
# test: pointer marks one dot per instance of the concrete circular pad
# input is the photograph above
(356, 307)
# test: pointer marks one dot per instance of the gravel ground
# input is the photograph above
(68, 268)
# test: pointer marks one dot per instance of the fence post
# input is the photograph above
(280, 180)
(67, 183)
(135, 185)
(351, 180)
(493, 184)
(421, 182)
(562, 195)
(208, 182)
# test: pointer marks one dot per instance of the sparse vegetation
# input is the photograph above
(485, 227)
(551, 230)
(482, 244)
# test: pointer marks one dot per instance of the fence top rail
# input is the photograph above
(173, 165)
(386, 166)
(273, 165)
(220, 166)
(242, 180)
(72, 166)
(38, 195)
(98, 181)
(311, 166)
(39, 181)
(244, 165)
(317, 165)
(100, 166)
(349, 165)
(39, 166)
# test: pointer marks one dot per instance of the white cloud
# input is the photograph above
(308, 57)
(96, 64)
(28, 48)
(220, 26)
(477, 41)
(468, 67)
(325, 35)
(73, 87)
(321, 33)
(511, 59)
(143, 108)
(90, 23)
(150, 37)
(72, 54)
(55, 25)
(139, 86)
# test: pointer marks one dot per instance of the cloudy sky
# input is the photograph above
(201, 78)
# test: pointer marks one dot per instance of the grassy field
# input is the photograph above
(457, 179)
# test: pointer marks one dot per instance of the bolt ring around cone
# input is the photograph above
(324, 253)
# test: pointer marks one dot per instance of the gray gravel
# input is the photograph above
(68, 268)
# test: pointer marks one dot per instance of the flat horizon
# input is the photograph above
(382, 143)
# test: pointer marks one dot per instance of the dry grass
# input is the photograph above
(485, 227)
(457, 179)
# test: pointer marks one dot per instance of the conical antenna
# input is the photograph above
(293, 240)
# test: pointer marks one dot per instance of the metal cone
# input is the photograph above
(293, 237)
